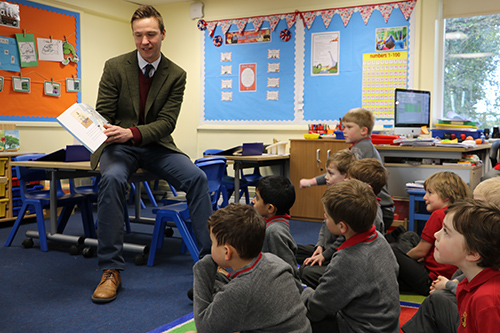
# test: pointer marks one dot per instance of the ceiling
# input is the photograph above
(155, 2)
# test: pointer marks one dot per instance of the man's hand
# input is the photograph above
(117, 134)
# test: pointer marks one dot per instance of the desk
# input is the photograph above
(63, 170)
(401, 173)
(243, 162)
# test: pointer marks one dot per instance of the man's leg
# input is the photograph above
(116, 164)
(178, 170)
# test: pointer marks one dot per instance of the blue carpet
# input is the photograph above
(50, 291)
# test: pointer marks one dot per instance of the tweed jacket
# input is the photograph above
(118, 100)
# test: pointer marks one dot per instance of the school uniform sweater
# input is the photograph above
(259, 297)
(359, 287)
(280, 242)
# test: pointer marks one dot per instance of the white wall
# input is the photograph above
(106, 33)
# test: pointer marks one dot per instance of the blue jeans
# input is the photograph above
(118, 162)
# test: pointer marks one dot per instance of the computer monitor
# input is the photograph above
(412, 110)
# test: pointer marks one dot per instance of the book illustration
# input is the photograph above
(82, 118)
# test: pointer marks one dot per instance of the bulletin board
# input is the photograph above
(54, 85)
(311, 66)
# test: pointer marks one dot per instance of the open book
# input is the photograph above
(85, 124)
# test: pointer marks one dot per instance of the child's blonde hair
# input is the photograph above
(341, 160)
(448, 185)
(361, 117)
(488, 190)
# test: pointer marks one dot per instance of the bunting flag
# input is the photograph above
(345, 14)
(386, 11)
(327, 16)
(366, 12)
(308, 17)
(407, 7)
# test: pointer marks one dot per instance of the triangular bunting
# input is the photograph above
(366, 12)
(407, 7)
(327, 16)
(385, 10)
(309, 18)
(211, 28)
(225, 25)
(273, 21)
(257, 22)
(345, 14)
(290, 19)
(241, 23)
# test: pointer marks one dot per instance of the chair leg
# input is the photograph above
(16, 225)
(150, 193)
(63, 219)
(187, 238)
(42, 236)
(158, 232)
(127, 219)
(132, 194)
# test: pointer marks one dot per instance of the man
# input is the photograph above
(140, 94)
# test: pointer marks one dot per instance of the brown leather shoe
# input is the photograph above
(108, 287)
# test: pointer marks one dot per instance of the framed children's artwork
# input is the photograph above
(21, 84)
(51, 88)
(73, 85)
(1, 83)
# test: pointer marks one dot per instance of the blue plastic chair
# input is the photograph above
(214, 168)
(228, 182)
(148, 192)
(40, 199)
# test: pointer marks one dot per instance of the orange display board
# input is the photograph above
(43, 22)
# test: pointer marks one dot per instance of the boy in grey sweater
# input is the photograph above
(274, 196)
(359, 290)
(260, 295)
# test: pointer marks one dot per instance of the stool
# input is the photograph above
(415, 196)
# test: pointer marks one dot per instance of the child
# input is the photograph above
(336, 171)
(370, 171)
(439, 312)
(358, 291)
(274, 196)
(260, 295)
(417, 266)
(359, 124)
(470, 240)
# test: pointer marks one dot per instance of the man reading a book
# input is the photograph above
(140, 94)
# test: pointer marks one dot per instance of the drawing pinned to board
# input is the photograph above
(51, 88)
(225, 56)
(227, 84)
(21, 84)
(69, 53)
(11, 140)
(1, 83)
(9, 15)
(226, 96)
(325, 53)
(27, 50)
(273, 54)
(73, 85)
(9, 57)
(393, 38)
(248, 77)
(50, 49)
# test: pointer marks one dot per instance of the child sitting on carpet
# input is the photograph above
(358, 291)
(274, 196)
(438, 313)
(415, 255)
(470, 240)
(260, 293)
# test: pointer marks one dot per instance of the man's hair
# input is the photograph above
(448, 185)
(352, 202)
(241, 227)
(370, 171)
(361, 117)
(488, 190)
(479, 222)
(341, 160)
(277, 191)
(146, 11)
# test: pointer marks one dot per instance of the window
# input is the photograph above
(472, 69)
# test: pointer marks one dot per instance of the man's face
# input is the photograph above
(148, 38)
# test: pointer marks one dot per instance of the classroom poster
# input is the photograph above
(9, 56)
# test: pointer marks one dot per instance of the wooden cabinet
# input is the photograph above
(308, 160)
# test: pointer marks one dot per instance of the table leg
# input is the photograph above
(236, 181)
(53, 202)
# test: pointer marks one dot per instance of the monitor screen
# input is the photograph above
(412, 108)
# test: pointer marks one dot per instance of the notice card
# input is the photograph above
(85, 124)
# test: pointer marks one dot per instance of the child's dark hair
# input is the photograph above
(341, 160)
(448, 185)
(479, 222)
(370, 171)
(352, 202)
(277, 191)
(241, 227)
(146, 11)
